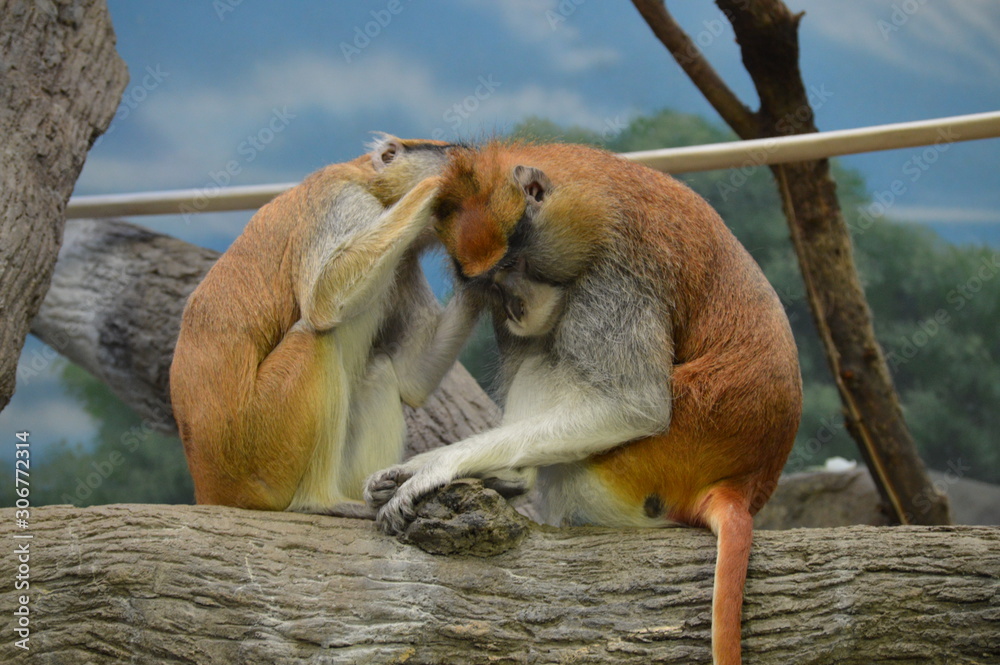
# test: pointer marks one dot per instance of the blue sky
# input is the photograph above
(275, 90)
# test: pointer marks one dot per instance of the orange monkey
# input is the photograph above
(302, 342)
(649, 374)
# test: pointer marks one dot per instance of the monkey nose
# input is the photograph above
(514, 307)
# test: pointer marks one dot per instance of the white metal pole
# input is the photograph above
(735, 154)
(803, 147)
(177, 201)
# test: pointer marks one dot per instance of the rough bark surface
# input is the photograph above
(184, 584)
(115, 307)
(60, 83)
(767, 33)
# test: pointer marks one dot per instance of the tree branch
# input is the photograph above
(61, 83)
(736, 114)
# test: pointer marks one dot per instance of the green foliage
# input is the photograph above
(935, 305)
(127, 461)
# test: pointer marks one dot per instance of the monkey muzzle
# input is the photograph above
(512, 304)
(532, 307)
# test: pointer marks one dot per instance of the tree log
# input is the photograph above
(115, 305)
(205, 584)
(61, 83)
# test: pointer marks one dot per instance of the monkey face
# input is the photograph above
(487, 211)
(531, 307)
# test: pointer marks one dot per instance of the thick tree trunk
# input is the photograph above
(767, 33)
(115, 306)
(183, 584)
(60, 83)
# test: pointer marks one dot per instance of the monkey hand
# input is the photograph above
(382, 485)
(396, 491)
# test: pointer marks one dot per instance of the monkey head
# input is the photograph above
(400, 164)
(512, 234)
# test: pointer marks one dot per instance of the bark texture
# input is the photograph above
(767, 33)
(115, 307)
(185, 584)
(60, 83)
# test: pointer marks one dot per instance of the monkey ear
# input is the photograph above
(384, 149)
(534, 183)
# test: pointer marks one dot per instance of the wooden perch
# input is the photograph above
(184, 584)
(114, 308)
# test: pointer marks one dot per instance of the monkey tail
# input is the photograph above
(727, 514)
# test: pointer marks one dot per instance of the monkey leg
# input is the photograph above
(727, 515)
(252, 450)
(376, 430)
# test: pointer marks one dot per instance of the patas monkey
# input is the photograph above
(297, 348)
(649, 372)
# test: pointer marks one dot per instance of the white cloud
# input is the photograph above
(48, 418)
(915, 35)
(199, 130)
(549, 23)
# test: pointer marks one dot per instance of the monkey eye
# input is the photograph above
(445, 208)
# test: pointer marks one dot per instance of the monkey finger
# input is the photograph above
(378, 495)
(395, 516)
(382, 485)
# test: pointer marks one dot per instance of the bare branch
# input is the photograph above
(736, 114)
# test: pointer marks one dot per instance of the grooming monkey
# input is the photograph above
(648, 369)
(297, 348)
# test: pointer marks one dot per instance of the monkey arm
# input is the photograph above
(356, 271)
(570, 432)
(432, 346)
